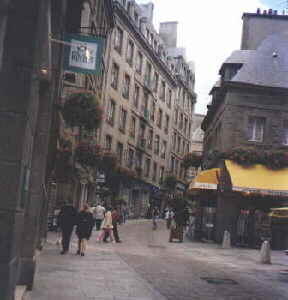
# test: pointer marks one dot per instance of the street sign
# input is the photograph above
(84, 53)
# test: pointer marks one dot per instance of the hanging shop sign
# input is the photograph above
(83, 54)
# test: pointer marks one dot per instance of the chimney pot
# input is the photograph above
(258, 11)
(275, 12)
(264, 12)
(270, 11)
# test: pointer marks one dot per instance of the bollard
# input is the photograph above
(265, 253)
(226, 240)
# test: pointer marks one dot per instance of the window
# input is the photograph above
(176, 116)
(147, 78)
(130, 160)
(285, 132)
(111, 112)
(176, 166)
(114, 76)
(256, 129)
(126, 86)
(154, 176)
(138, 160)
(181, 121)
(167, 121)
(130, 52)
(174, 141)
(108, 142)
(150, 138)
(118, 42)
(153, 109)
(123, 118)
(136, 17)
(185, 125)
(163, 149)
(178, 144)
(147, 167)
(139, 62)
(161, 175)
(160, 116)
(183, 147)
(163, 90)
(133, 127)
(156, 82)
(172, 164)
(157, 144)
(136, 95)
(169, 101)
(120, 152)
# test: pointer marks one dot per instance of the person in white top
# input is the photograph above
(98, 215)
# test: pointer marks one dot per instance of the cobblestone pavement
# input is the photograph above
(146, 267)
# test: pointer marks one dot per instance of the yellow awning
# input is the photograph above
(206, 180)
(258, 179)
(281, 212)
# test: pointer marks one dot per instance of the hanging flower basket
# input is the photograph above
(170, 181)
(108, 162)
(82, 109)
(88, 155)
(245, 156)
(63, 168)
(127, 176)
(192, 160)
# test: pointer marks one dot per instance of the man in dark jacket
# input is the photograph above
(66, 221)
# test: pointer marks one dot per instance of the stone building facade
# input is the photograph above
(144, 87)
(31, 83)
(249, 103)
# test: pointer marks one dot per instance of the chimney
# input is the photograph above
(275, 12)
(265, 12)
(270, 11)
(168, 33)
(258, 11)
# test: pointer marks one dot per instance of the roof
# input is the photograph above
(239, 56)
(258, 179)
(268, 66)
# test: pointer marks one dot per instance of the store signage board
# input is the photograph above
(83, 54)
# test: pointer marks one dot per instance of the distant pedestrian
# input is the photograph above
(115, 222)
(155, 216)
(98, 215)
(84, 228)
(66, 221)
(107, 226)
(169, 214)
(125, 214)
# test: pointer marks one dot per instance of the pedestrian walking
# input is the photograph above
(155, 216)
(66, 221)
(115, 221)
(107, 226)
(169, 214)
(98, 215)
(125, 213)
(84, 228)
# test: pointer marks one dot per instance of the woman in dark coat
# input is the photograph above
(84, 228)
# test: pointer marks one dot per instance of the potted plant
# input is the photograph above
(82, 109)
(192, 159)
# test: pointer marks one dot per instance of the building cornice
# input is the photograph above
(121, 12)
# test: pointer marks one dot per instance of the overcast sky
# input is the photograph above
(210, 30)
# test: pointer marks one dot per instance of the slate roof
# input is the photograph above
(269, 65)
(239, 57)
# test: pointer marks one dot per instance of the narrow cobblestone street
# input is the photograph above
(146, 267)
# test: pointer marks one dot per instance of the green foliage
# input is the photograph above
(88, 155)
(83, 110)
(192, 159)
(170, 181)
